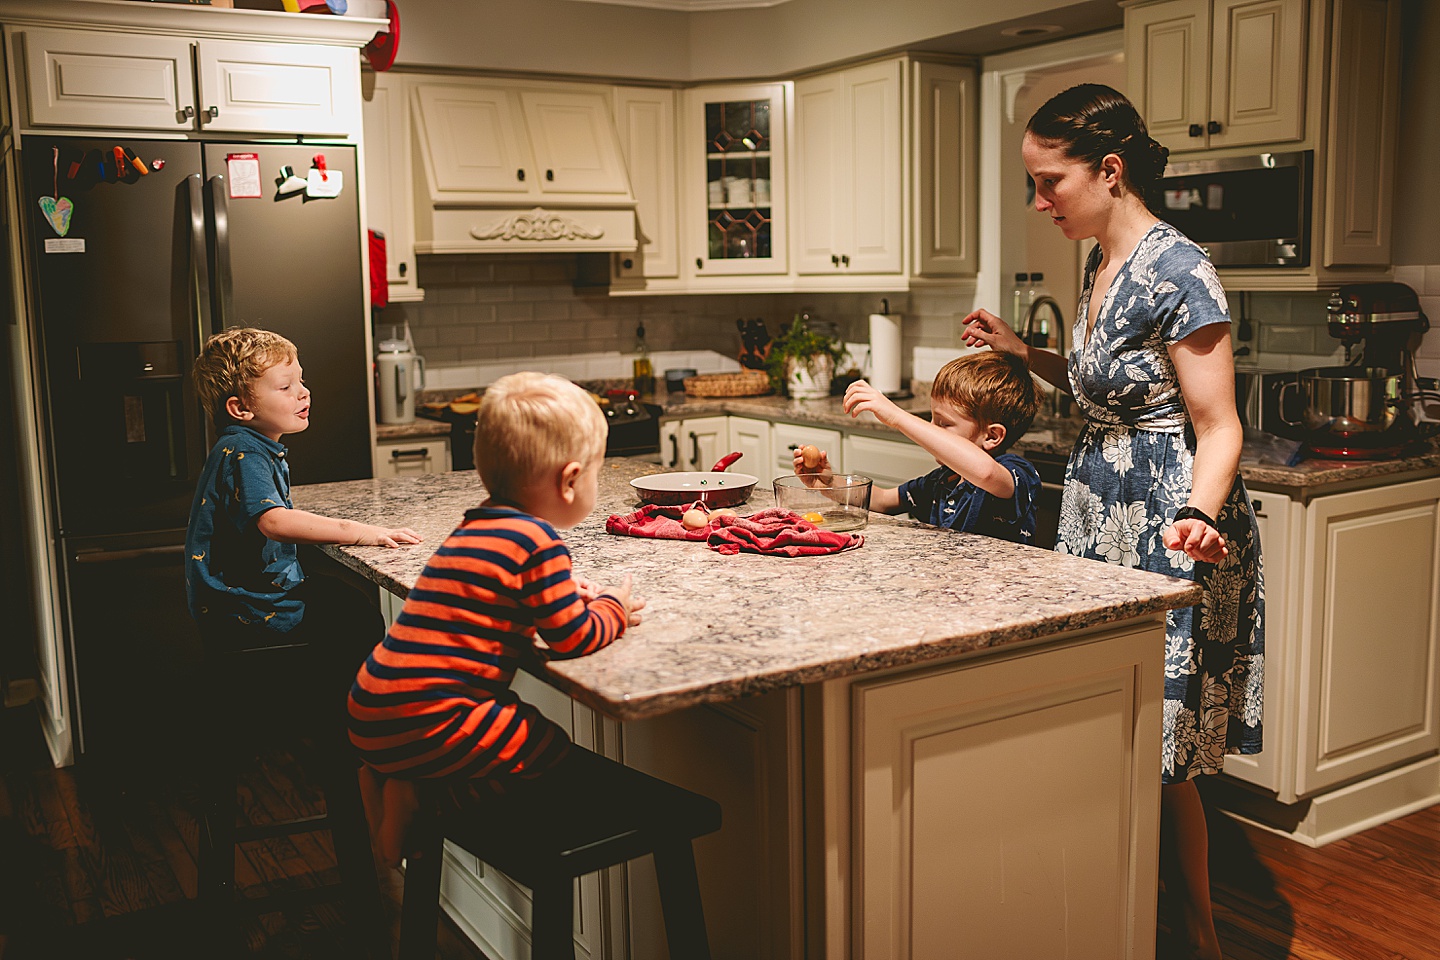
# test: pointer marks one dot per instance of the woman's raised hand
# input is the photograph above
(983, 327)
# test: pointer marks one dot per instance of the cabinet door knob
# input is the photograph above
(1196, 130)
(674, 450)
(212, 112)
(1213, 126)
(520, 174)
(698, 264)
(845, 259)
(404, 268)
(549, 174)
(835, 259)
(694, 451)
(627, 263)
(188, 113)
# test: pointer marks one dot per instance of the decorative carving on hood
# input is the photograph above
(537, 224)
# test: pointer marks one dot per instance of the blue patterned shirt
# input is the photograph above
(944, 499)
(232, 570)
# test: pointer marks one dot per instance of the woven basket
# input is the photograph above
(746, 383)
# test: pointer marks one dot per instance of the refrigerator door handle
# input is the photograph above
(224, 281)
(199, 274)
(112, 556)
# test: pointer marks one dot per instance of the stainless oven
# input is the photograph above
(1251, 211)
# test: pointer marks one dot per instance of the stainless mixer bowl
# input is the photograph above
(1344, 401)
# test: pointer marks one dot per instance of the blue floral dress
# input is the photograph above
(1131, 470)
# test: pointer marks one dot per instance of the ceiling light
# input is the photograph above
(1030, 30)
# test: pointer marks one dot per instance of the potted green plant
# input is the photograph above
(802, 361)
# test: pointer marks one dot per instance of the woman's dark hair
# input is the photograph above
(1092, 120)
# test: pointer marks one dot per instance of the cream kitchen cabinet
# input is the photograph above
(848, 190)
(1208, 74)
(944, 232)
(81, 78)
(751, 438)
(389, 180)
(786, 438)
(694, 444)
(408, 458)
(733, 211)
(515, 142)
(645, 118)
(1352, 662)
(888, 462)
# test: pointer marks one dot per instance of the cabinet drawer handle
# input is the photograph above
(520, 174)
(212, 112)
(845, 259)
(1257, 506)
(1213, 126)
(793, 446)
(1196, 130)
(695, 451)
(835, 259)
(188, 113)
(418, 453)
(674, 450)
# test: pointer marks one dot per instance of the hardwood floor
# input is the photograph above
(95, 870)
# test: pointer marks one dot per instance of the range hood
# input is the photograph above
(518, 167)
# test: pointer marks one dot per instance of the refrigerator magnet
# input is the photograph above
(244, 174)
(324, 183)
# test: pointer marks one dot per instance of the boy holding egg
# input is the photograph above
(434, 698)
(979, 406)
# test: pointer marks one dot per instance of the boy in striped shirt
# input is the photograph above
(434, 699)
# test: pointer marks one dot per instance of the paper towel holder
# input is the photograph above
(901, 393)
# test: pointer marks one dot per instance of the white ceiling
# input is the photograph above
(689, 6)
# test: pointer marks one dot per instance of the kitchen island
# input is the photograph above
(852, 713)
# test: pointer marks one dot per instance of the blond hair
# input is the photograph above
(233, 360)
(992, 387)
(530, 424)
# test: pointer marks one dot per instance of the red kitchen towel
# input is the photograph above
(661, 523)
(777, 533)
(379, 283)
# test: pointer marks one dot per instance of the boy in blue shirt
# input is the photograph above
(980, 405)
(243, 580)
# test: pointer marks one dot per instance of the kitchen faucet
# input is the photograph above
(1045, 300)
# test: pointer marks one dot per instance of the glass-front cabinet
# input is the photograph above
(735, 154)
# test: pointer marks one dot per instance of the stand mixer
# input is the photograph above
(1366, 408)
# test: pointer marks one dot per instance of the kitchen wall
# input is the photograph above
(484, 315)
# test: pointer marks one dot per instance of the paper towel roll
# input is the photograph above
(885, 352)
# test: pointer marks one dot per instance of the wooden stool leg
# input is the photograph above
(348, 831)
(680, 901)
(420, 905)
(552, 920)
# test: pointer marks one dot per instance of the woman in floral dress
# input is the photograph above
(1153, 481)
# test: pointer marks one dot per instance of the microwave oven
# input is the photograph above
(1251, 211)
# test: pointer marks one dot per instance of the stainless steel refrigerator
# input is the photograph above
(146, 267)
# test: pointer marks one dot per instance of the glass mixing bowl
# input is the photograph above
(840, 503)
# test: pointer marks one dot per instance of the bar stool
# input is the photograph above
(261, 700)
(546, 832)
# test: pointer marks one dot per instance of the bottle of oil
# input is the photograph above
(643, 371)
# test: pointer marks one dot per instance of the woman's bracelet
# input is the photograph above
(1190, 513)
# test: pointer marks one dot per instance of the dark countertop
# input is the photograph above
(719, 628)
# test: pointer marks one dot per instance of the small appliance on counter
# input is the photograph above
(399, 372)
(1365, 409)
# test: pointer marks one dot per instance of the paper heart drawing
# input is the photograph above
(57, 213)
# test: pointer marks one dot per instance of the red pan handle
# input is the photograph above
(725, 461)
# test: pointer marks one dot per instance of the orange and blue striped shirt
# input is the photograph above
(434, 698)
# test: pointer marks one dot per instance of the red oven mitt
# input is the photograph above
(777, 533)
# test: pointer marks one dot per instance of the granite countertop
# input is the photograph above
(719, 628)
(1055, 436)
(411, 431)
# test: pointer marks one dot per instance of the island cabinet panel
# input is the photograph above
(747, 757)
(1034, 781)
(1368, 672)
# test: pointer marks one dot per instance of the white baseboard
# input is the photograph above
(1340, 813)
